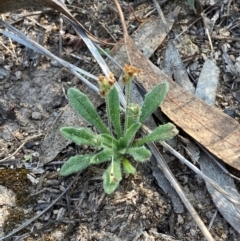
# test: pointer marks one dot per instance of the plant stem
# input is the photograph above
(127, 106)
(108, 115)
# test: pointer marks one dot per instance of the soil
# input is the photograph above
(32, 99)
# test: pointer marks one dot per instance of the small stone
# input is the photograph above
(194, 66)
(237, 45)
(232, 58)
(36, 115)
(18, 75)
(237, 112)
(35, 154)
(7, 85)
(180, 219)
(193, 232)
(4, 73)
(236, 95)
(217, 54)
(7, 67)
(18, 135)
(54, 63)
(237, 66)
(204, 56)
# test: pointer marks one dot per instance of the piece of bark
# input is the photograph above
(173, 66)
(208, 82)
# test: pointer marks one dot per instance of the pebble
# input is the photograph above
(237, 95)
(4, 73)
(204, 56)
(237, 45)
(7, 67)
(18, 75)
(217, 54)
(180, 219)
(36, 115)
(237, 112)
(232, 58)
(194, 66)
(7, 85)
(55, 63)
(237, 66)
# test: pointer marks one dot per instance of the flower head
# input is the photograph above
(129, 73)
(105, 84)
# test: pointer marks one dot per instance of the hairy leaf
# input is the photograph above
(134, 113)
(113, 110)
(112, 176)
(109, 140)
(75, 164)
(140, 154)
(130, 133)
(127, 167)
(102, 156)
(81, 136)
(153, 99)
(161, 133)
(84, 107)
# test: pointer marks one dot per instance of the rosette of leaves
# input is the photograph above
(115, 146)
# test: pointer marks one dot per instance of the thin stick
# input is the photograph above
(209, 39)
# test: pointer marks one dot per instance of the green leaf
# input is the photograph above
(153, 99)
(140, 154)
(75, 164)
(127, 167)
(134, 112)
(102, 156)
(113, 110)
(130, 134)
(84, 107)
(81, 136)
(161, 133)
(109, 140)
(191, 3)
(121, 144)
(112, 176)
